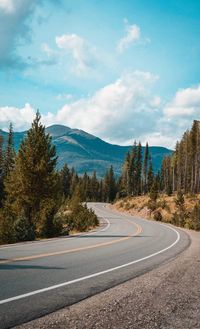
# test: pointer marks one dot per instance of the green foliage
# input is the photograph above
(80, 218)
(145, 168)
(194, 221)
(65, 179)
(6, 227)
(157, 216)
(49, 225)
(180, 201)
(33, 182)
(1, 172)
(109, 186)
(179, 218)
(152, 205)
(22, 230)
(150, 176)
(154, 191)
(169, 190)
(9, 157)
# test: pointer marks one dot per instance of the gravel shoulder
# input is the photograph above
(167, 297)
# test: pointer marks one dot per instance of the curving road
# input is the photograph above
(41, 277)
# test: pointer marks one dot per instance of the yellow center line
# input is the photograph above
(62, 252)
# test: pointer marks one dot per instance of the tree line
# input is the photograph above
(181, 170)
(33, 192)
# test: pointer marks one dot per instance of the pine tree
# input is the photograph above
(33, 186)
(145, 167)
(139, 169)
(150, 175)
(9, 157)
(109, 186)
(133, 170)
(154, 191)
(94, 186)
(1, 171)
(65, 178)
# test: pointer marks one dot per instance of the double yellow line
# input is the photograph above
(63, 252)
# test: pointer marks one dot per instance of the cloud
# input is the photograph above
(7, 5)
(16, 18)
(20, 117)
(14, 29)
(116, 112)
(186, 102)
(82, 54)
(120, 112)
(132, 36)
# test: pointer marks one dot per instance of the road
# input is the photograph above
(41, 277)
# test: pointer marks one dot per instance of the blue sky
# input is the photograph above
(121, 70)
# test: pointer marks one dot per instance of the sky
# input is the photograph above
(118, 69)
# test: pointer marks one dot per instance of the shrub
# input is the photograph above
(152, 205)
(179, 218)
(195, 217)
(154, 191)
(23, 231)
(121, 204)
(162, 203)
(6, 228)
(81, 218)
(157, 215)
(127, 206)
(49, 225)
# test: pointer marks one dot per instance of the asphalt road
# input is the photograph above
(41, 277)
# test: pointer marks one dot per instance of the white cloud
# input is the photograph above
(16, 18)
(20, 117)
(7, 5)
(117, 111)
(132, 36)
(186, 102)
(81, 53)
(14, 28)
(47, 50)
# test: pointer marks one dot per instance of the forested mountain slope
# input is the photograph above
(86, 152)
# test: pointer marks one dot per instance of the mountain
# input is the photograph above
(86, 152)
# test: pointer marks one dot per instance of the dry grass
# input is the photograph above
(165, 204)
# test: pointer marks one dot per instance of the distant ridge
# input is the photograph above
(86, 152)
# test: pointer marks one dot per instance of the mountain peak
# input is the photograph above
(58, 130)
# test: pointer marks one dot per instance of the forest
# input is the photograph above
(39, 201)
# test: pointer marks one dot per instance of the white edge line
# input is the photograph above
(8, 300)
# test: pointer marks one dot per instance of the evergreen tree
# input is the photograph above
(1, 171)
(94, 187)
(133, 170)
(139, 169)
(109, 185)
(9, 157)
(33, 186)
(150, 176)
(65, 178)
(154, 191)
(145, 167)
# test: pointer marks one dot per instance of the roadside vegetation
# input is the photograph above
(38, 201)
(169, 209)
(34, 194)
(171, 195)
